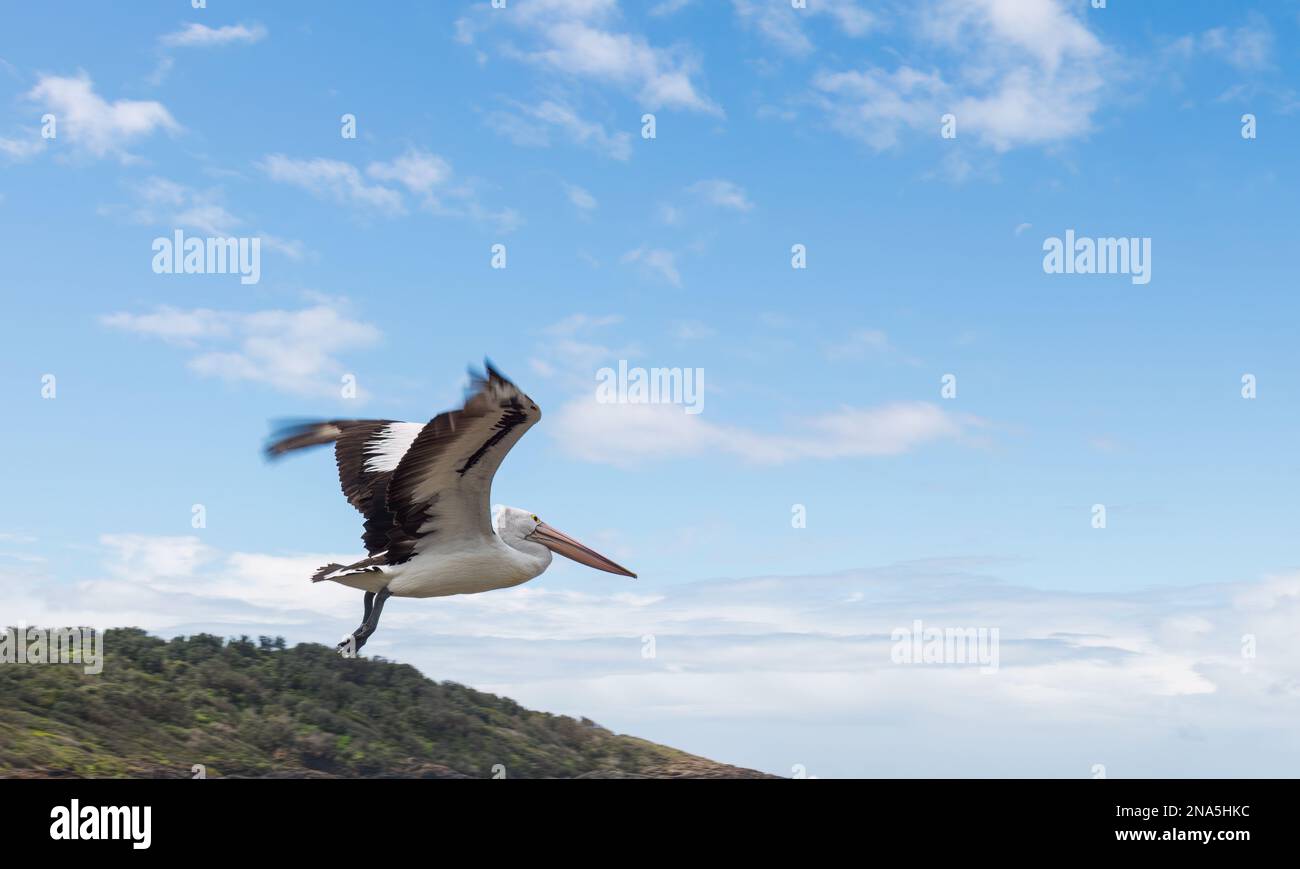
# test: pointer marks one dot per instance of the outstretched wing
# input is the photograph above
(440, 491)
(367, 452)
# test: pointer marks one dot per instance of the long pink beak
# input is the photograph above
(562, 544)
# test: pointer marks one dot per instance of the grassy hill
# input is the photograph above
(241, 708)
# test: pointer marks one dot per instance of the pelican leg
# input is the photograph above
(372, 617)
(350, 644)
(374, 605)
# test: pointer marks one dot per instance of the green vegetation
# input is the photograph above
(241, 708)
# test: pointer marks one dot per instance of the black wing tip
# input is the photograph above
(290, 435)
(480, 381)
(489, 376)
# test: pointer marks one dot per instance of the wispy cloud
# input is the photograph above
(417, 171)
(575, 323)
(1248, 48)
(802, 662)
(876, 105)
(427, 177)
(17, 149)
(580, 197)
(163, 203)
(292, 351)
(785, 27)
(194, 35)
(627, 435)
(335, 180)
(587, 41)
(657, 260)
(669, 7)
(692, 330)
(532, 126)
(861, 343)
(722, 193)
(571, 349)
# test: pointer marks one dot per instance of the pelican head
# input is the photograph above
(515, 526)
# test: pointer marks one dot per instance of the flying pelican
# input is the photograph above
(425, 490)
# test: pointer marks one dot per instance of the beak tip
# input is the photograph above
(563, 544)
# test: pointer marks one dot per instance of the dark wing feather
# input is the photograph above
(366, 451)
(441, 489)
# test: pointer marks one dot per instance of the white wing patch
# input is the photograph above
(385, 450)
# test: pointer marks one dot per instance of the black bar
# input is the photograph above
(319, 817)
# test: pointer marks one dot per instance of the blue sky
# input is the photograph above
(774, 126)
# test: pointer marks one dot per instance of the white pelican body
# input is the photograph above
(424, 489)
(467, 567)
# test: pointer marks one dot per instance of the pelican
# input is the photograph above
(425, 491)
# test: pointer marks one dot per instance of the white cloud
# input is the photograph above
(531, 126)
(1024, 111)
(160, 72)
(583, 40)
(1249, 48)
(161, 202)
(92, 124)
(956, 166)
(771, 671)
(849, 15)
(668, 7)
(859, 344)
(580, 197)
(1044, 29)
(426, 176)
(141, 558)
(722, 193)
(1028, 72)
(876, 106)
(570, 351)
(333, 179)
(416, 170)
(208, 218)
(785, 27)
(290, 351)
(660, 261)
(575, 323)
(194, 35)
(21, 149)
(289, 247)
(576, 48)
(626, 435)
(692, 330)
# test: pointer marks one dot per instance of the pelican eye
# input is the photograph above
(535, 519)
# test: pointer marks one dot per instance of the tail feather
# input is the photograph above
(323, 572)
(334, 570)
